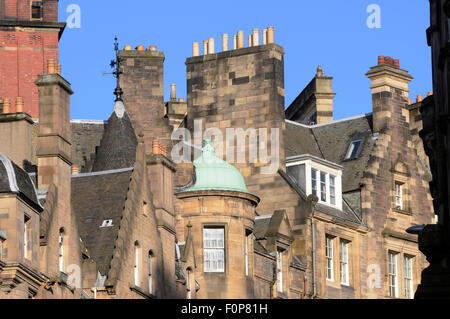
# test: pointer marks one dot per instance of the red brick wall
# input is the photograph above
(24, 55)
(21, 9)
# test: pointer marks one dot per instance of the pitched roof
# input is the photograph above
(118, 146)
(13, 179)
(97, 197)
(334, 140)
(299, 140)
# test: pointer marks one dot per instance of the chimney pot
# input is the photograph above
(264, 36)
(6, 106)
(211, 49)
(224, 42)
(153, 48)
(173, 93)
(51, 66)
(380, 60)
(140, 48)
(205, 47)
(181, 100)
(430, 94)
(409, 101)
(128, 48)
(250, 41)
(419, 98)
(234, 42)
(75, 170)
(270, 35)
(255, 37)
(397, 63)
(19, 104)
(156, 147)
(240, 39)
(195, 49)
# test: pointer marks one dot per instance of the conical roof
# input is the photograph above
(118, 146)
(213, 173)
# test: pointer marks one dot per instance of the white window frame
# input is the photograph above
(314, 184)
(279, 271)
(137, 265)
(214, 249)
(246, 255)
(343, 258)
(150, 273)
(61, 252)
(1, 249)
(398, 189)
(26, 230)
(393, 273)
(329, 257)
(319, 167)
(332, 189)
(408, 277)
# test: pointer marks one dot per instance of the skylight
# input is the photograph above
(353, 149)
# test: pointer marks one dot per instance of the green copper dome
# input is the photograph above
(213, 173)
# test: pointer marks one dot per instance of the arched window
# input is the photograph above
(150, 272)
(62, 252)
(137, 264)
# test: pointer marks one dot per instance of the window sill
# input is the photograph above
(401, 211)
(141, 292)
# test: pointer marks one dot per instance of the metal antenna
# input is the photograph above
(117, 72)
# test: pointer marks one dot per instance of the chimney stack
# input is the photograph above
(389, 86)
(173, 93)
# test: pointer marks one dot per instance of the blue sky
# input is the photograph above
(329, 33)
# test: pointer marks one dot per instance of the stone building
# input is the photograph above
(303, 207)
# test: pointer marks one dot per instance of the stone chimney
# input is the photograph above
(389, 85)
(161, 171)
(54, 137)
(314, 105)
(16, 133)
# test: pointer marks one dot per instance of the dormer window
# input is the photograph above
(318, 177)
(36, 10)
(353, 149)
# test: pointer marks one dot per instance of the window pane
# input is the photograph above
(353, 149)
(314, 181)
(323, 187)
(332, 190)
(213, 243)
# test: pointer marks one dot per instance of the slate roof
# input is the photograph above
(97, 197)
(298, 140)
(86, 136)
(13, 179)
(334, 140)
(261, 227)
(118, 146)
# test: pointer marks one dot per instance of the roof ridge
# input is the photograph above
(329, 123)
(111, 171)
